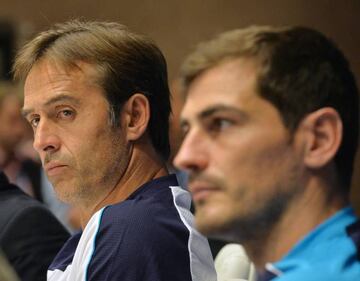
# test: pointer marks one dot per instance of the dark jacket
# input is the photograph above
(30, 235)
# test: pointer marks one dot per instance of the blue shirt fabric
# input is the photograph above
(147, 237)
(328, 253)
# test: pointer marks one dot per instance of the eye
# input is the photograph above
(219, 124)
(65, 114)
(34, 122)
(184, 129)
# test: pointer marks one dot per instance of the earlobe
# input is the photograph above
(324, 130)
(137, 111)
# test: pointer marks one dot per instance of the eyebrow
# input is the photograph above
(215, 109)
(58, 98)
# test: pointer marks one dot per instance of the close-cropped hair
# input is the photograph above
(300, 71)
(126, 63)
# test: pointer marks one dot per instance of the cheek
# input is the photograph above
(252, 171)
(89, 140)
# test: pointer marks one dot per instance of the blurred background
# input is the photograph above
(177, 26)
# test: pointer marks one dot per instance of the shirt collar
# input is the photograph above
(327, 230)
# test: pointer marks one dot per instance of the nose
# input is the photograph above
(193, 153)
(45, 137)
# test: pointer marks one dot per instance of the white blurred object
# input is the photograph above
(232, 264)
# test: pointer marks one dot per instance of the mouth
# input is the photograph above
(53, 168)
(201, 191)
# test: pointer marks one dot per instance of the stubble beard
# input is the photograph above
(256, 224)
(92, 190)
(87, 187)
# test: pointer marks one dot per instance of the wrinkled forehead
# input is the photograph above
(55, 71)
(48, 83)
(56, 65)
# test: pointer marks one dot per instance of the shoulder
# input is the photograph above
(21, 212)
(133, 234)
(29, 225)
(164, 209)
(144, 230)
(334, 260)
(138, 226)
(30, 236)
(12, 200)
(25, 221)
(322, 273)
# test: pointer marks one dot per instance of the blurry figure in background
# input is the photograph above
(270, 125)
(19, 160)
(30, 235)
(19, 168)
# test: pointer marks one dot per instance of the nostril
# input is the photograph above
(49, 148)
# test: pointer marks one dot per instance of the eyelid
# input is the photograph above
(216, 118)
(217, 124)
(31, 118)
(226, 120)
(184, 126)
(60, 112)
(65, 109)
(63, 106)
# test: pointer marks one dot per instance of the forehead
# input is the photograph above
(46, 72)
(231, 83)
(48, 79)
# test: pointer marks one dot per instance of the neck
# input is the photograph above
(312, 208)
(144, 166)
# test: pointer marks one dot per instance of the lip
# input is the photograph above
(200, 191)
(53, 168)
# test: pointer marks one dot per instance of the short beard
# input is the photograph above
(257, 225)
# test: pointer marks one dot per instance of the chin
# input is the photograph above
(62, 196)
(214, 225)
(216, 231)
(63, 193)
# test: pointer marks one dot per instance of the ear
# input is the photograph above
(136, 116)
(323, 136)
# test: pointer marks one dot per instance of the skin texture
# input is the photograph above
(249, 177)
(90, 163)
(71, 132)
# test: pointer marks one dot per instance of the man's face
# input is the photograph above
(243, 164)
(83, 156)
(12, 128)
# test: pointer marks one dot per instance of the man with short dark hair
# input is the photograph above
(270, 128)
(96, 95)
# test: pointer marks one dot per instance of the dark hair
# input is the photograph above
(301, 71)
(127, 63)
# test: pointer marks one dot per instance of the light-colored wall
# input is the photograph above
(178, 25)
